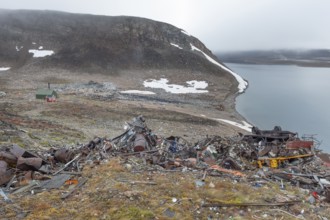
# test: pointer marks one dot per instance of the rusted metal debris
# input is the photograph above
(270, 154)
(25, 164)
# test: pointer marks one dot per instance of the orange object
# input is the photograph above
(71, 182)
(234, 172)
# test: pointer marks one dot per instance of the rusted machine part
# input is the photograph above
(32, 163)
(299, 144)
(327, 195)
(20, 152)
(107, 146)
(140, 143)
(264, 151)
(274, 151)
(248, 154)
(5, 175)
(64, 155)
(28, 175)
(229, 163)
(8, 157)
(94, 142)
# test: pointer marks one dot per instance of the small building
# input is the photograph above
(44, 93)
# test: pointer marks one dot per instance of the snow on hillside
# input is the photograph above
(4, 68)
(245, 126)
(41, 53)
(242, 84)
(193, 86)
(138, 92)
(175, 45)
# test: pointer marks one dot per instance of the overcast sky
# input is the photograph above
(222, 25)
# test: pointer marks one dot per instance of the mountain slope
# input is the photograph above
(94, 63)
(98, 43)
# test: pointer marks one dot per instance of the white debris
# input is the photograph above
(193, 86)
(41, 47)
(325, 181)
(2, 94)
(138, 92)
(4, 68)
(244, 125)
(175, 45)
(41, 53)
(34, 43)
(242, 84)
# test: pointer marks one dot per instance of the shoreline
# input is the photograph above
(264, 113)
(284, 63)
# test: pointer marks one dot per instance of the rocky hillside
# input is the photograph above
(98, 43)
(102, 67)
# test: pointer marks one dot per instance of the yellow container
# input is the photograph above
(273, 163)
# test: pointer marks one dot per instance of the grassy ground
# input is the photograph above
(110, 193)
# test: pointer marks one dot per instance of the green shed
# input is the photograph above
(43, 93)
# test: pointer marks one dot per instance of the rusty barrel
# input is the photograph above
(140, 143)
(63, 155)
(32, 163)
(8, 157)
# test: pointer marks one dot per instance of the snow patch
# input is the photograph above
(34, 43)
(19, 48)
(41, 53)
(242, 84)
(138, 92)
(175, 45)
(244, 125)
(194, 86)
(4, 68)
(186, 33)
(41, 47)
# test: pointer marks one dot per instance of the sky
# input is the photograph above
(222, 25)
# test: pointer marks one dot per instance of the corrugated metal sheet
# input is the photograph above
(43, 93)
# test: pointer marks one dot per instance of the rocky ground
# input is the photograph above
(115, 190)
(92, 105)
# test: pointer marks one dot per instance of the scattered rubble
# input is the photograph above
(264, 156)
(90, 89)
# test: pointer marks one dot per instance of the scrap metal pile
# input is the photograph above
(267, 154)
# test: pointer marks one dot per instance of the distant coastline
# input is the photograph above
(304, 58)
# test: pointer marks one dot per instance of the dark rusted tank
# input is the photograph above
(32, 163)
(140, 143)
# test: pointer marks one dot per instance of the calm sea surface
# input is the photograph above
(295, 98)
